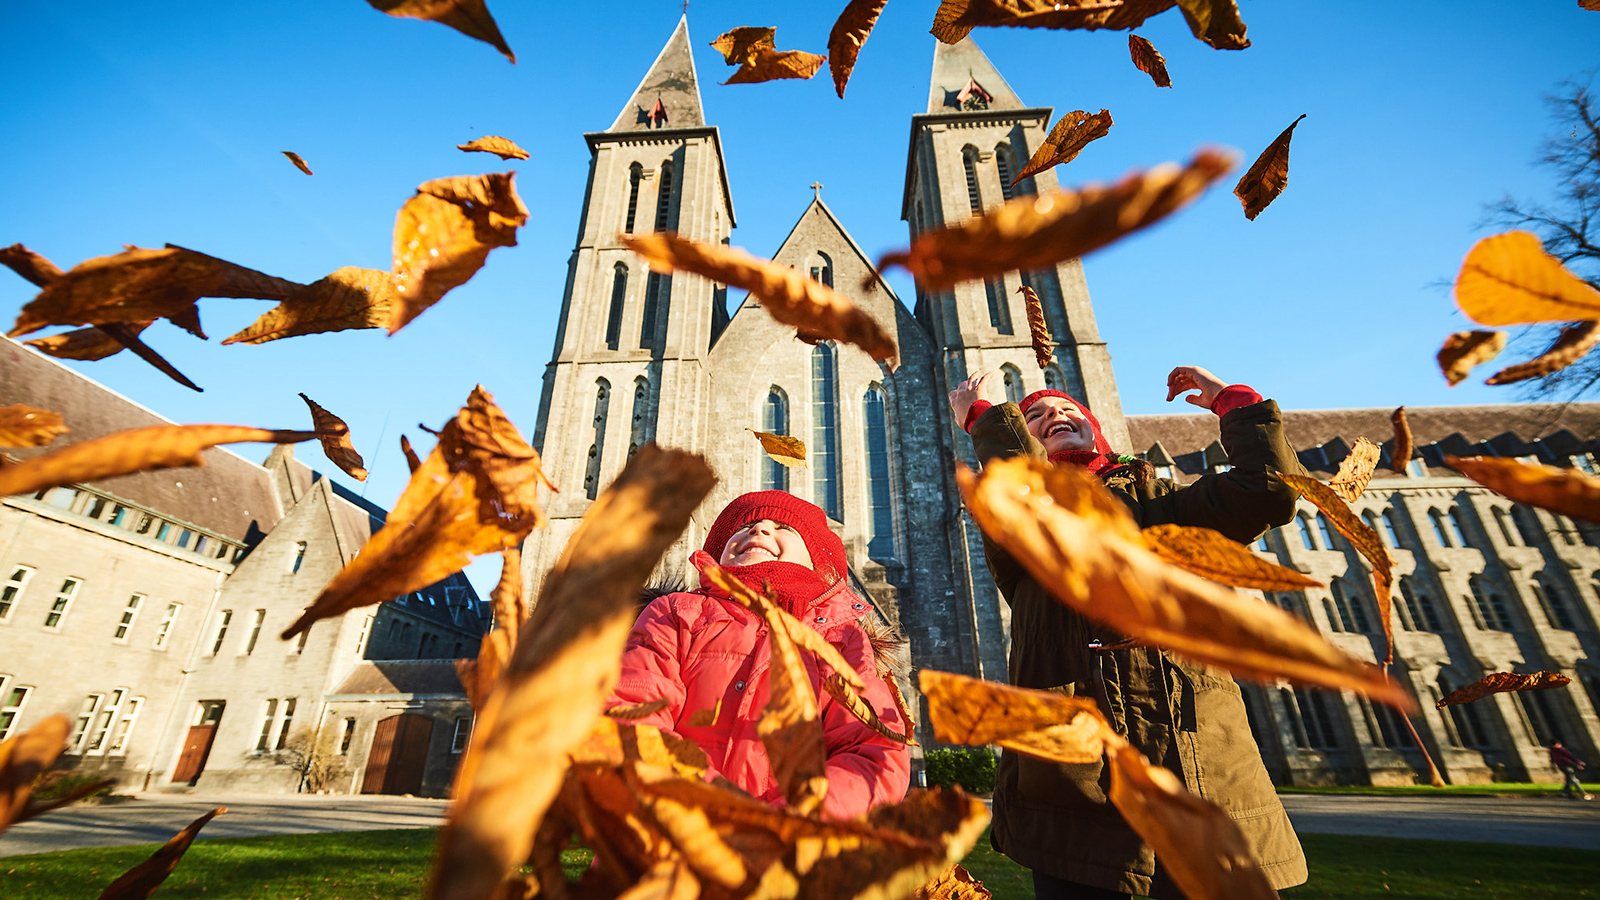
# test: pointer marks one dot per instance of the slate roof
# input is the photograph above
(1552, 432)
(228, 495)
(671, 80)
(408, 676)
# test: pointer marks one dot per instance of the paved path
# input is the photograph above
(152, 818)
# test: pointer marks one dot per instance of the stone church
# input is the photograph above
(641, 356)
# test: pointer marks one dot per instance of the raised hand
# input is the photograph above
(1193, 378)
(979, 387)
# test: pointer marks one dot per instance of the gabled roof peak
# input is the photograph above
(965, 80)
(669, 94)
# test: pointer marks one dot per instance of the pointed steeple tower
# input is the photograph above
(964, 79)
(669, 95)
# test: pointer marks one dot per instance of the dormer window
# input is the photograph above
(973, 96)
(657, 116)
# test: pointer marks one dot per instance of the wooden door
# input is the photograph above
(410, 755)
(196, 747)
(378, 756)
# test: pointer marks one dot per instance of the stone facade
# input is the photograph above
(147, 605)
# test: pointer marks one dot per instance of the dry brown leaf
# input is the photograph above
(476, 493)
(1267, 176)
(335, 437)
(1364, 539)
(23, 758)
(412, 462)
(1508, 279)
(849, 34)
(1402, 440)
(638, 710)
(1209, 554)
(1503, 683)
(955, 884)
(1566, 491)
(1216, 22)
(1038, 329)
(739, 46)
(784, 450)
(1465, 349)
(563, 670)
(1589, 4)
(140, 284)
(142, 880)
(470, 17)
(916, 839)
(704, 718)
(947, 21)
(86, 344)
(1042, 724)
(1072, 132)
(134, 450)
(443, 236)
(858, 706)
(786, 295)
(1572, 345)
(1082, 545)
(349, 297)
(1356, 470)
(1031, 233)
(479, 676)
(504, 148)
(298, 162)
(773, 65)
(30, 265)
(615, 740)
(804, 636)
(506, 599)
(1149, 60)
(1197, 842)
(956, 18)
(24, 426)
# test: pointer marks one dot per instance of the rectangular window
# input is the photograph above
(256, 619)
(103, 721)
(63, 497)
(346, 735)
(184, 536)
(458, 741)
(164, 530)
(12, 698)
(269, 715)
(200, 544)
(129, 613)
(164, 630)
(223, 618)
(80, 726)
(119, 738)
(283, 726)
(119, 515)
(12, 592)
(97, 508)
(58, 606)
(366, 631)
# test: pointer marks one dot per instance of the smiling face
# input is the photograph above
(765, 541)
(1059, 425)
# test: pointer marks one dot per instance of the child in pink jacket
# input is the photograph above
(699, 648)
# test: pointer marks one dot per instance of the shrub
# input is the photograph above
(971, 767)
(55, 785)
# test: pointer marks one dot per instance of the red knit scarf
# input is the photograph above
(1096, 463)
(794, 587)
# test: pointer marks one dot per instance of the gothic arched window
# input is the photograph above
(1418, 607)
(879, 492)
(969, 160)
(1352, 614)
(1326, 530)
(619, 292)
(1013, 383)
(999, 309)
(1468, 728)
(664, 197)
(1554, 603)
(1003, 166)
(640, 432)
(1488, 607)
(1456, 529)
(635, 175)
(602, 405)
(1304, 523)
(1439, 531)
(774, 420)
(1507, 528)
(1391, 528)
(824, 450)
(822, 269)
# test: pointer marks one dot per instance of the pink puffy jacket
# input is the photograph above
(697, 648)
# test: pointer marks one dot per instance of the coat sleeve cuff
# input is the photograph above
(1232, 397)
(979, 407)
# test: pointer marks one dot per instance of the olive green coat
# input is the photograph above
(1188, 717)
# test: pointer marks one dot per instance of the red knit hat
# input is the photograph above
(808, 519)
(1100, 443)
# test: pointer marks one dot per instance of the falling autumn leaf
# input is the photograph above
(134, 450)
(30, 265)
(955, 884)
(443, 236)
(1211, 555)
(1572, 345)
(1082, 545)
(705, 718)
(335, 437)
(849, 34)
(739, 46)
(1217, 23)
(790, 726)
(638, 710)
(784, 450)
(298, 162)
(1267, 176)
(470, 17)
(86, 344)
(347, 298)
(1366, 542)
(1589, 4)
(1466, 349)
(558, 681)
(499, 146)
(1356, 470)
(506, 599)
(24, 426)
(1149, 60)
(805, 637)
(26, 756)
(1072, 132)
(1566, 491)
(615, 740)
(1041, 724)
(1503, 683)
(1402, 440)
(412, 462)
(774, 65)
(1031, 233)
(1198, 843)
(1038, 330)
(142, 880)
(476, 493)
(956, 18)
(786, 295)
(1508, 279)
(858, 706)
(479, 675)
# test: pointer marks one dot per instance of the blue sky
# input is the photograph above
(122, 125)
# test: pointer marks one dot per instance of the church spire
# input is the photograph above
(669, 95)
(965, 79)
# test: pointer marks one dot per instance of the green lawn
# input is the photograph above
(393, 865)
(1500, 789)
